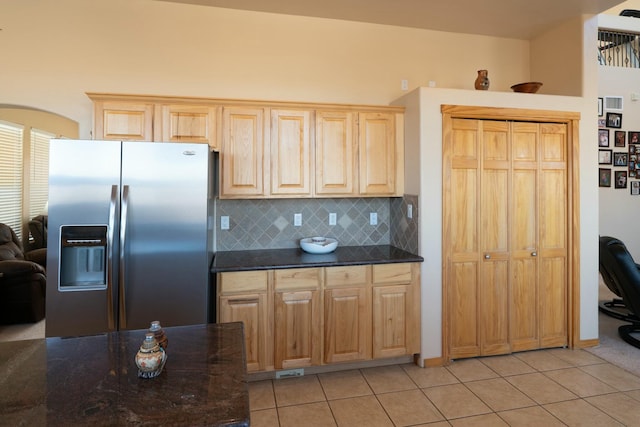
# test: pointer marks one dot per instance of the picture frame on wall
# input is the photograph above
(620, 138)
(620, 159)
(614, 120)
(600, 107)
(604, 157)
(604, 177)
(635, 188)
(633, 137)
(603, 137)
(602, 123)
(620, 178)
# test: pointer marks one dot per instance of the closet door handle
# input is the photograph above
(534, 253)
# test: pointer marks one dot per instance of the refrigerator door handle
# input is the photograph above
(122, 270)
(112, 218)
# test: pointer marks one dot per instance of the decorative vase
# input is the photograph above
(159, 334)
(150, 358)
(482, 81)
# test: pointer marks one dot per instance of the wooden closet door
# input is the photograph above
(495, 225)
(461, 192)
(524, 302)
(554, 235)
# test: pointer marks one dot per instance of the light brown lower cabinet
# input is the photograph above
(396, 310)
(347, 314)
(251, 309)
(297, 317)
(243, 297)
(302, 317)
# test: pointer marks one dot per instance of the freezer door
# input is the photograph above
(84, 183)
(164, 234)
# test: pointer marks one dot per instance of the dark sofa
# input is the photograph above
(22, 281)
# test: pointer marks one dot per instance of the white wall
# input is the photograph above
(61, 49)
(619, 209)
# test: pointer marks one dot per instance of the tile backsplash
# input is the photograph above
(269, 223)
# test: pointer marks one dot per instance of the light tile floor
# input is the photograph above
(558, 387)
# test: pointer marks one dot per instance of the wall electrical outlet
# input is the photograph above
(297, 219)
(373, 218)
(409, 211)
(404, 84)
(224, 222)
(332, 218)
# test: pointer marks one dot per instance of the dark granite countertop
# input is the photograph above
(294, 258)
(93, 381)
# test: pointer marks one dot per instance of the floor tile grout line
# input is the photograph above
(376, 394)
(544, 372)
(574, 367)
(585, 401)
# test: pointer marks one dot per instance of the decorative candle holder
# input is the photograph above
(150, 359)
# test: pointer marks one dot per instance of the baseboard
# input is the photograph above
(335, 367)
(434, 362)
(587, 343)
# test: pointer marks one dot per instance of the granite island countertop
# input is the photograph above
(93, 381)
(267, 259)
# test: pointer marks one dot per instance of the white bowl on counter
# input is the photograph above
(318, 245)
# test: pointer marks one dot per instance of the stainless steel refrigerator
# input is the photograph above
(128, 236)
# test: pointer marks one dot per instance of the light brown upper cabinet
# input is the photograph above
(271, 149)
(123, 121)
(379, 154)
(290, 153)
(189, 123)
(243, 159)
(336, 153)
(507, 233)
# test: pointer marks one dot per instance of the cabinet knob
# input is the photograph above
(487, 256)
(534, 253)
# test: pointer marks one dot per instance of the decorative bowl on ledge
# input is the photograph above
(528, 87)
(318, 245)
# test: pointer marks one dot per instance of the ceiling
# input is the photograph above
(520, 19)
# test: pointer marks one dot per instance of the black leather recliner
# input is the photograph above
(38, 231)
(615, 307)
(22, 282)
(625, 276)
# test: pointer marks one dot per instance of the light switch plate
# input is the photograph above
(332, 218)
(373, 218)
(297, 219)
(224, 222)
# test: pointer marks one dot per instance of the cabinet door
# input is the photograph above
(250, 309)
(377, 146)
(336, 154)
(394, 321)
(242, 159)
(290, 153)
(123, 121)
(185, 123)
(347, 327)
(298, 329)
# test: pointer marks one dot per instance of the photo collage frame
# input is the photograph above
(618, 152)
